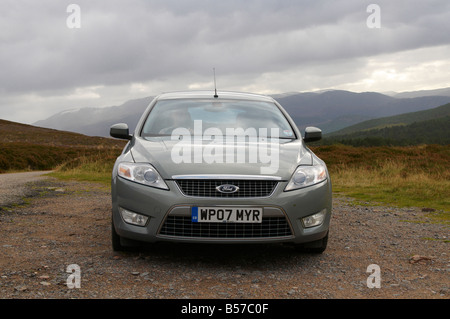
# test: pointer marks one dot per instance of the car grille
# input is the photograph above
(182, 226)
(207, 188)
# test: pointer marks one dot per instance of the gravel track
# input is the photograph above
(65, 223)
(13, 186)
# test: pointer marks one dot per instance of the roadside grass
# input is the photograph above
(94, 168)
(414, 190)
(416, 176)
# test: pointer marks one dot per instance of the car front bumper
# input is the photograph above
(285, 209)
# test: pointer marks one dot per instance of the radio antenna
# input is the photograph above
(215, 87)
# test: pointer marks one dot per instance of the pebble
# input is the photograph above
(20, 288)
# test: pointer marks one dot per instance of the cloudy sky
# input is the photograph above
(54, 56)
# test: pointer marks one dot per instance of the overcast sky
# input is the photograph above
(119, 50)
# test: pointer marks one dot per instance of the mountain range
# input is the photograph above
(95, 121)
(330, 110)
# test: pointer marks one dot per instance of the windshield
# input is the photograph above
(225, 116)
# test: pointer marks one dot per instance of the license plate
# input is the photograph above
(226, 214)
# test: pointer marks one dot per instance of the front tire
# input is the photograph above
(115, 239)
(122, 244)
(314, 247)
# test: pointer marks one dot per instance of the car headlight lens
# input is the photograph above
(305, 176)
(141, 173)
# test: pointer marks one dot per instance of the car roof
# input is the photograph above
(210, 95)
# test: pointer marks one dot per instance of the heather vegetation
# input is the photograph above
(403, 176)
(25, 148)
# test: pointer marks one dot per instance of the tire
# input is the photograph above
(122, 244)
(314, 247)
(115, 239)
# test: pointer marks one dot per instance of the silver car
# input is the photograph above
(205, 167)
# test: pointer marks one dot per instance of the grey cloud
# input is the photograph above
(130, 41)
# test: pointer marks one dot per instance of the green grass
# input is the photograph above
(414, 190)
(95, 168)
(400, 176)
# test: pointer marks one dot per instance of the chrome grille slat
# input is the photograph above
(182, 226)
(207, 188)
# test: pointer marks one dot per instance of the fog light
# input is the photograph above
(314, 220)
(133, 218)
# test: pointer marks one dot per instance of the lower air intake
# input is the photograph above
(182, 226)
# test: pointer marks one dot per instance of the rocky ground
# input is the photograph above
(57, 224)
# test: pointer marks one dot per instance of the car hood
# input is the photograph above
(167, 157)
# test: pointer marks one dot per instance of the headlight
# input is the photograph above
(305, 176)
(141, 173)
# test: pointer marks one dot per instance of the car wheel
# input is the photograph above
(315, 247)
(122, 244)
(115, 239)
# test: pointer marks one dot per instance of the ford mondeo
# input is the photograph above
(226, 167)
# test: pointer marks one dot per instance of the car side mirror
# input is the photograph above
(120, 131)
(312, 134)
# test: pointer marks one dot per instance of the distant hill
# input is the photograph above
(335, 110)
(95, 121)
(330, 110)
(412, 94)
(26, 147)
(423, 127)
(397, 120)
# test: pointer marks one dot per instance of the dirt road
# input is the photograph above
(13, 186)
(66, 224)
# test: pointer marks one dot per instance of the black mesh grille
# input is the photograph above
(182, 226)
(207, 188)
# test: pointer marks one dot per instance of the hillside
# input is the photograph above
(425, 127)
(12, 132)
(97, 121)
(402, 119)
(27, 147)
